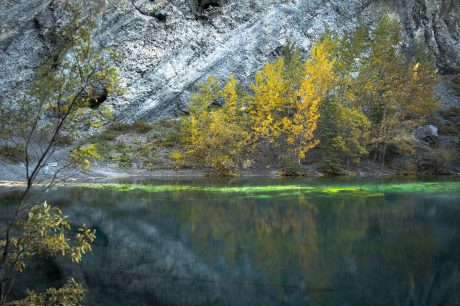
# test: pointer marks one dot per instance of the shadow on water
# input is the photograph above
(264, 242)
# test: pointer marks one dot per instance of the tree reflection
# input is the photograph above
(274, 246)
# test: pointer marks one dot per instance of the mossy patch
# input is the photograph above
(141, 145)
(137, 127)
(122, 156)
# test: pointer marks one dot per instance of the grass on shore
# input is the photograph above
(140, 145)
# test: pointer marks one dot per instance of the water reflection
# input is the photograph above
(267, 246)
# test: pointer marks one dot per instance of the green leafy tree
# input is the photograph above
(343, 126)
(398, 96)
(60, 98)
(344, 133)
(294, 69)
(64, 95)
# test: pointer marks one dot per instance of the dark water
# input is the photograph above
(264, 242)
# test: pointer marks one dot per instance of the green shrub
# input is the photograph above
(108, 135)
(456, 84)
(65, 141)
(291, 169)
(141, 127)
(124, 155)
(149, 165)
(119, 128)
(145, 150)
(435, 160)
(170, 140)
(12, 154)
(138, 127)
(448, 129)
(177, 159)
(166, 124)
(451, 112)
(102, 141)
(124, 161)
(166, 134)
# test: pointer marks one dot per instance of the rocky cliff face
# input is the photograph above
(168, 46)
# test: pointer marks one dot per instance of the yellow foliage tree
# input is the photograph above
(215, 137)
(194, 127)
(269, 103)
(356, 90)
(284, 107)
(319, 80)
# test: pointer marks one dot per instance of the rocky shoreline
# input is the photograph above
(10, 175)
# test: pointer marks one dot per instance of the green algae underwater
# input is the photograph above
(443, 189)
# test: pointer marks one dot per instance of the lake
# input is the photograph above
(263, 242)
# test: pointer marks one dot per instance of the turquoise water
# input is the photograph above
(263, 242)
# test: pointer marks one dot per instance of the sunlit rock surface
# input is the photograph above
(168, 46)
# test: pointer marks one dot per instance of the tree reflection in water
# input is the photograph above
(345, 245)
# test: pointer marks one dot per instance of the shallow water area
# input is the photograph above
(262, 242)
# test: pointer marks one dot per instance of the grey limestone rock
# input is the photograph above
(427, 131)
(169, 45)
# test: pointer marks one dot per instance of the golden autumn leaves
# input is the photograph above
(276, 111)
(273, 112)
(215, 137)
(356, 94)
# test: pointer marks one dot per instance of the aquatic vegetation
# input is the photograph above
(289, 189)
(332, 236)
